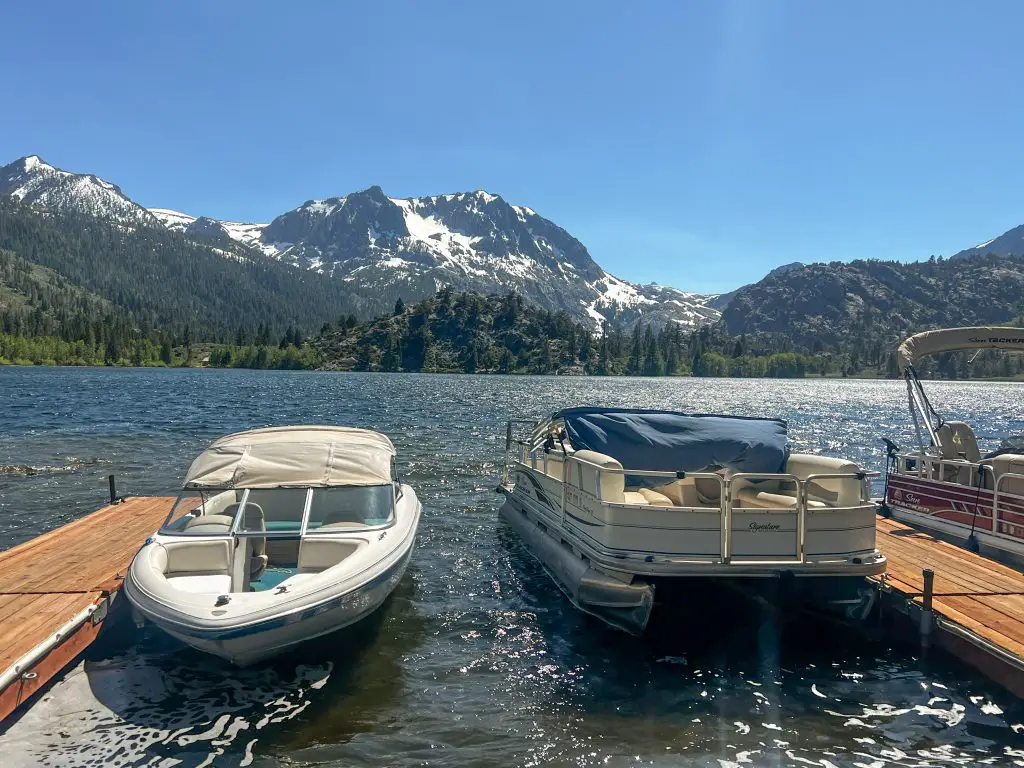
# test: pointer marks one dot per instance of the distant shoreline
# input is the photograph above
(808, 377)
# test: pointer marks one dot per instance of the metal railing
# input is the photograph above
(996, 493)
(529, 457)
(936, 468)
(932, 467)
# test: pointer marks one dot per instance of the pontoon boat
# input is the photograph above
(615, 502)
(947, 485)
(281, 535)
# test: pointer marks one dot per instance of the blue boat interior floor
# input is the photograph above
(271, 577)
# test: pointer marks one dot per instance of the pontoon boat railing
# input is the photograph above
(934, 467)
(510, 440)
(725, 506)
(927, 467)
(996, 494)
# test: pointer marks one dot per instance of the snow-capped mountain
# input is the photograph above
(33, 181)
(470, 241)
(407, 247)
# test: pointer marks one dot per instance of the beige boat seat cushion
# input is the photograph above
(317, 553)
(1001, 465)
(957, 441)
(831, 492)
(210, 524)
(709, 491)
(633, 497)
(194, 557)
(612, 484)
(682, 493)
(654, 498)
(555, 463)
(751, 498)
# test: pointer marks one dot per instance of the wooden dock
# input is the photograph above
(973, 608)
(63, 582)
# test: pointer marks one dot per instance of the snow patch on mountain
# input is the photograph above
(173, 220)
(246, 234)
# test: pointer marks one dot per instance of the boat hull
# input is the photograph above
(625, 605)
(251, 643)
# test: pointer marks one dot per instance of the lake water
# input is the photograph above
(477, 660)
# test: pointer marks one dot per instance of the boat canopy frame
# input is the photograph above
(936, 342)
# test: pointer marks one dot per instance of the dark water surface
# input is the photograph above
(477, 660)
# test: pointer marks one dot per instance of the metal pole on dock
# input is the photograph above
(113, 490)
(927, 615)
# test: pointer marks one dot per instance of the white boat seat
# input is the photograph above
(202, 584)
(253, 549)
(632, 497)
(753, 498)
(318, 553)
(683, 493)
(708, 490)
(553, 463)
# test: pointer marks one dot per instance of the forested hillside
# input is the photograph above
(165, 281)
(865, 308)
(468, 332)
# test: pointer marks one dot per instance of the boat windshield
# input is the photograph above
(280, 512)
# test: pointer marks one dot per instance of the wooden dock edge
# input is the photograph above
(57, 589)
(33, 671)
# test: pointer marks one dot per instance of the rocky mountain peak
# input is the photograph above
(33, 181)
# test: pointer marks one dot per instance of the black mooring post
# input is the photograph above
(927, 616)
(113, 489)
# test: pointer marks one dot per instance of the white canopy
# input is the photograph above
(953, 339)
(289, 457)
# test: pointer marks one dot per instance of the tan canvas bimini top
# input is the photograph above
(953, 339)
(289, 457)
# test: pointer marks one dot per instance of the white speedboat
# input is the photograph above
(946, 485)
(617, 502)
(279, 536)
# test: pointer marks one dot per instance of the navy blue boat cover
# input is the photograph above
(670, 441)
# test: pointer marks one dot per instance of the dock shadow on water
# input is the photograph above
(477, 660)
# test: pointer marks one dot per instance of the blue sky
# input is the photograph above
(697, 144)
